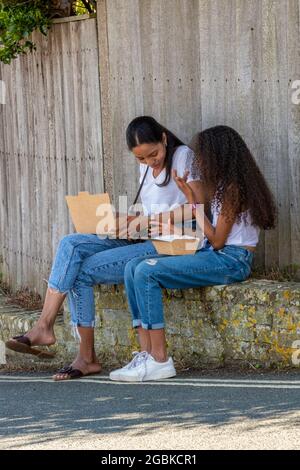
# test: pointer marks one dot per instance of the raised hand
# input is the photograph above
(182, 184)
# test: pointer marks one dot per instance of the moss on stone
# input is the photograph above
(255, 321)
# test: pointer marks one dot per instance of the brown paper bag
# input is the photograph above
(83, 210)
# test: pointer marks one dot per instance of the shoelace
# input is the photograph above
(139, 358)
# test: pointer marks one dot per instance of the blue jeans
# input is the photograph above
(145, 276)
(83, 260)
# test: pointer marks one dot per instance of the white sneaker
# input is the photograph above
(144, 367)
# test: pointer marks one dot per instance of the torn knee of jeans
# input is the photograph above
(151, 261)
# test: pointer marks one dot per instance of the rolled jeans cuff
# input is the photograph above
(136, 323)
(154, 326)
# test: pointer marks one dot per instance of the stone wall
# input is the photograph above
(254, 322)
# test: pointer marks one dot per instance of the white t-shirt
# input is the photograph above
(157, 199)
(240, 234)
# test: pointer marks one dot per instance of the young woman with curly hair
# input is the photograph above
(241, 205)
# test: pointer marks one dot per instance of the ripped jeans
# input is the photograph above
(145, 276)
(84, 260)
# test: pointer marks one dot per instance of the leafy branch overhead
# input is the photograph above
(19, 18)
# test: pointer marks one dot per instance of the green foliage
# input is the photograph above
(80, 7)
(18, 19)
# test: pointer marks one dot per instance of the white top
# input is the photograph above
(157, 199)
(241, 234)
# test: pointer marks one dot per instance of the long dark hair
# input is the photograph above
(146, 130)
(232, 176)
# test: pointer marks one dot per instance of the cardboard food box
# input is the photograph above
(174, 245)
(86, 213)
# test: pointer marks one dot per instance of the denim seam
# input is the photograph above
(192, 271)
(75, 306)
(123, 261)
(78, 309)
(135, 318)
(148, 301)
(66, 265)
(208, 268)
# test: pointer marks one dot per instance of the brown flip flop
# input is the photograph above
(22, 344)
(71, 373)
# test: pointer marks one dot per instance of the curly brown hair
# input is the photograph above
(232, 176)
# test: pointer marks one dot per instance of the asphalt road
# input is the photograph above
(227, 411)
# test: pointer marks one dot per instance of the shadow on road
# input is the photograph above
(39, 410)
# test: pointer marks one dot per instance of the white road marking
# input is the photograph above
(183, 382)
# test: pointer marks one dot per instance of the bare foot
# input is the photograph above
(86, 367)
(41, 336)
